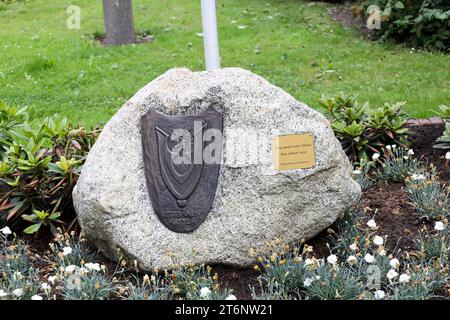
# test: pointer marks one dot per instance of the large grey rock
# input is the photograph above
(253, 202)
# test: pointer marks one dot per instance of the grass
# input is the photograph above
(293, 44)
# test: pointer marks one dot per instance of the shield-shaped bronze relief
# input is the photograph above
(181, 184)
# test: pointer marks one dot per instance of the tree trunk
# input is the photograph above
(119, 23)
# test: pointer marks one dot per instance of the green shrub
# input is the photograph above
(417, 23)
(40, 162)
(363, 131)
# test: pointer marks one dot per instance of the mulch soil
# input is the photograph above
(386, 202)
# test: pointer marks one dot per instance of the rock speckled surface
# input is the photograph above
(253, 202)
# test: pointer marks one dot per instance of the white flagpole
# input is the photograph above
(210, 37)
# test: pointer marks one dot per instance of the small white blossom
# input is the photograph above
(332, 259)
(356, 171)
(388, 147)
(52, 279)
(382, 252)
(308, 262)
(71, 268)
(371, 224)
(93, 266)
(394, 263)
(352, 260)
(6, 231)
(411, 152)
(418, 177)
(439, 226)
(391, 274)
(404, 278)
(3, 294)
(447, 156)
(394, 146)
(369, 258)
(307, 282)
(67, 251)
(231, 297)
(36, 297)
(379, 294)
(375, 156)
(18, 292)
(377, 240)
(205, 292)
(353, 247)
(45, 286)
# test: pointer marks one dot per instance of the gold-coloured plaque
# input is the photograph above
(295, 151)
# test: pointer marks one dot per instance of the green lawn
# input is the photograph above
(293, 44)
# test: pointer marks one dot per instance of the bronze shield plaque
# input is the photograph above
(181, 182)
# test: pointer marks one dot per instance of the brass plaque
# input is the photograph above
(295, 151)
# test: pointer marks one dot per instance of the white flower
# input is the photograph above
(231, 297)
(418, 177)
(371, 224)
(332, 259)
(447, 156)
(411, 152)
(439, 226)
(205, 292)
(18, 292)
(67, 251)
(352, 260)
(394, 146)
(369, 258)
(391, 274)
(353, 247)
(52, 279)
(377, 240)
(6, 231)
(404, 278)
(45, 286)
(71, 268)
(394, 263)
(93, 266)
(36, 297)
(379, 294)
(307, 282)
(388, 147)
(3, 294)
(375, 156)
(382, 252)
(356, 171)
(308, 262)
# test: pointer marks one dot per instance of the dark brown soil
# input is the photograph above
(422, 139)
(239, 279)
(389, 206)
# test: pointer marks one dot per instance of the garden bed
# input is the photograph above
(385, 202)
